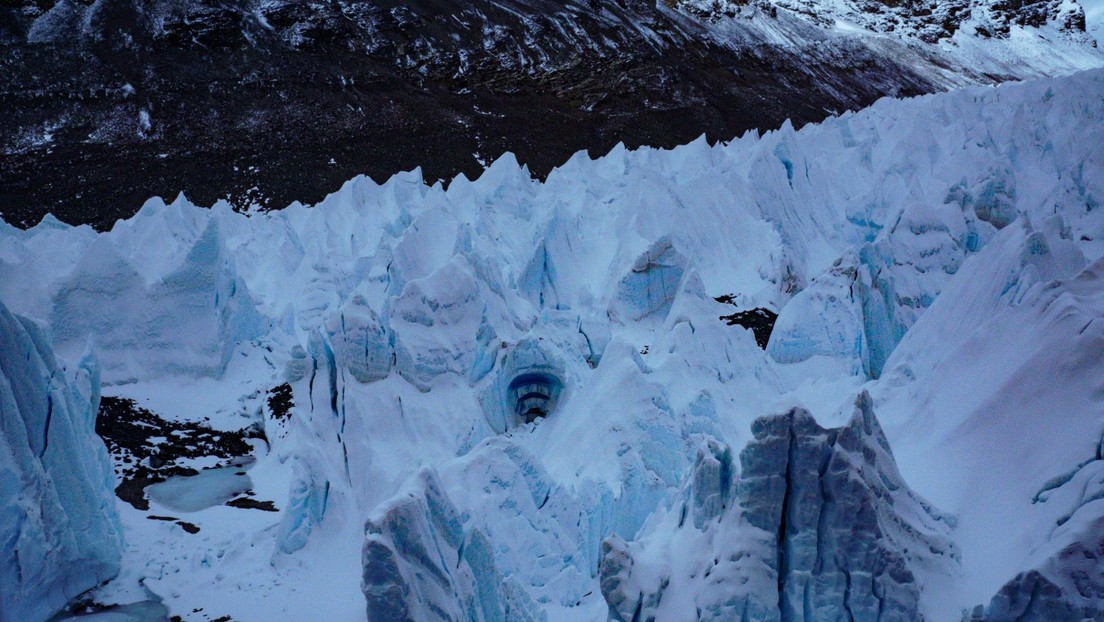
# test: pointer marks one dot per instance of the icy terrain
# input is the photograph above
(920, 438)
(58, 523)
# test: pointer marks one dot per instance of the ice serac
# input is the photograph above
(820, 526)
(649, 288)
(360, 340)
(59, 531)
(406, 316)
(1067, 584)
(187, 320)
(422, 564)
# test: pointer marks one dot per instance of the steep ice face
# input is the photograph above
(1068, 586)
(859, 309)
(184, 320)
(818, 522)
(421, 563)
(58, 522)
(1000, 376)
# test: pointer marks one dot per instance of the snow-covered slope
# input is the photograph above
(58, 524)
(940, 253)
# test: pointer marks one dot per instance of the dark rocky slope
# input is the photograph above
(111, 102)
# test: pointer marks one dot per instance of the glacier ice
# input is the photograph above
(941, 253)
(59, 525)
(817, 525)
(1069, 586)
(186, 320)
(422, 564)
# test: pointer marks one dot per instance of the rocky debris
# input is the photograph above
(818, 522)
(759, 320)
(186, 526)
(86, 606)
(146, 448)
(932, 22)
(280, 401)
(249, 503)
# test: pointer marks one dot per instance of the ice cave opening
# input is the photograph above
(534, 394)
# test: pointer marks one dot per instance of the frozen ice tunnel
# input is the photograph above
(534, 394)
(529, 380)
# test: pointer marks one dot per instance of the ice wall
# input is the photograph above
(421, 563)
(995, 400)
(58, 524)
(185, 320)
(817, 525)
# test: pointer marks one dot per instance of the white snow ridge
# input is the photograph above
(515, 400)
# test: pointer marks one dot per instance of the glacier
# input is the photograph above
(920, 438)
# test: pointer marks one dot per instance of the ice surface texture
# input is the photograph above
(58, 523)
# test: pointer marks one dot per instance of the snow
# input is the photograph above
(1094, 18)
(941, 253)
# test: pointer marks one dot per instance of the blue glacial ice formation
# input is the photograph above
(1067, 583)
(423, 564)
(650, 286)
(361, 342)
(187, 321)
(1067, 586)
(530, 363)
(817, 525)
(58, 525)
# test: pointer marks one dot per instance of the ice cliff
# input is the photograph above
(58, 523)
(420, 563)
(814, 524)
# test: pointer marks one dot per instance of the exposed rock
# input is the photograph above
(284, 101)
(759, 321)
(146, 448)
